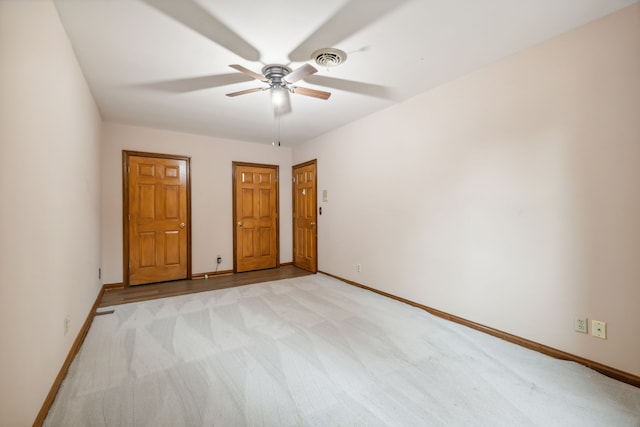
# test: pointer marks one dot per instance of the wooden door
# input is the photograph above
(305, 235)
(157, 225)
(255, 206)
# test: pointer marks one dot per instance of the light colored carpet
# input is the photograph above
(313, 351)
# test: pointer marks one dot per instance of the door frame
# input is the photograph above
(234, 221)
(125, 207)
(293, 206)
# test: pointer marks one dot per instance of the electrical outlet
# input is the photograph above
(599, 329)
(358, 268)
(580, 324)
(67, 323)
(219, 259)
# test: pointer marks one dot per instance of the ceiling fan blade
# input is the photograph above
(201, 21)
(351, 86)
(248, 72)
(246, 91)
(352, 17)
(196, 83)
(300, 73)
(281, 101)
(310, 92)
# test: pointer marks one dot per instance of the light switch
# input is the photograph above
(325, 196)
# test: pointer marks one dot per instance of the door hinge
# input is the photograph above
(128, 169)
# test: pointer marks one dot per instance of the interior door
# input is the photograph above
(157, 236)
(255, 206)
(305, 235)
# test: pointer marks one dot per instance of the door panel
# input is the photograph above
(157, 190)
(255, 216)
(305, 236)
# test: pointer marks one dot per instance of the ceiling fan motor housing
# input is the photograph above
(275, 74)
(281, 77)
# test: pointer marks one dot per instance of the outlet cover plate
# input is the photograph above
(580, 324)
(599, 329)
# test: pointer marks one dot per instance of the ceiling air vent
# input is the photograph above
(329, 57)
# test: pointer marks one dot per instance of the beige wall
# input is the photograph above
(50, 209)
(211, 185)
(510, 197)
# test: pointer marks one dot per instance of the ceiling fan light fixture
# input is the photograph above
(329, 57)
(278, 96)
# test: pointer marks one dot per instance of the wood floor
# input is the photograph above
(182, 287)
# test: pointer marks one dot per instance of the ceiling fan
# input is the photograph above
(351, 17)
(280, 79)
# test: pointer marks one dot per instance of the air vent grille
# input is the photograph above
(329, 57)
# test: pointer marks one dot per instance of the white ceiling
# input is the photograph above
(135, 55)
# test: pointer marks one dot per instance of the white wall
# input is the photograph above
(211, 188)
(510, 197)
(50, 209)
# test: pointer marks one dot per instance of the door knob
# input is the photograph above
(182, 225)
(239, 224)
